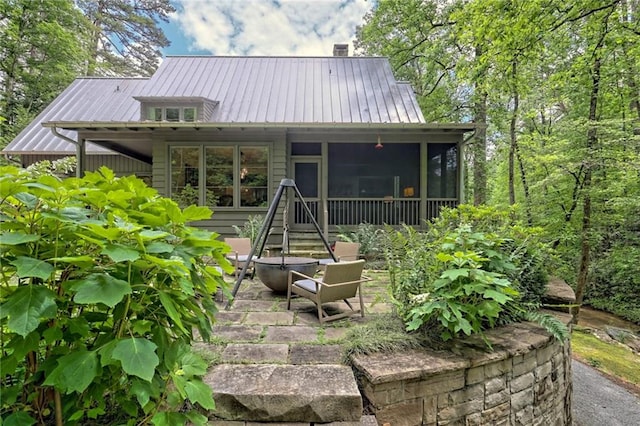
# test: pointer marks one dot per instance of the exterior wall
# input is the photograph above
(223, 218)
(526, 380)
(120, 164)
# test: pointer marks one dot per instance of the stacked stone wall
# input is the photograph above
(524, 380)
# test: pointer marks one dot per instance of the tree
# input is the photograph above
(125, 37)
(40, 53)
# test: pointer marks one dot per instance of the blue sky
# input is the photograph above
(263, 27)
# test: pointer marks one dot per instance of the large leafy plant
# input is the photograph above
(470, 292)
(102, 285)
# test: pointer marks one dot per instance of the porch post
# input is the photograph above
(81, 157)
(423, 182)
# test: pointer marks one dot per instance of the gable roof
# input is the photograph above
(86, 99)
(275, 90)
(258, 89)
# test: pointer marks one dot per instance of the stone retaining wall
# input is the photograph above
(525, 380)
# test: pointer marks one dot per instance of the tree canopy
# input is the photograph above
(562, 116)
(45, 44)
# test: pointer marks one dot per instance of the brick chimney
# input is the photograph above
(340, 50)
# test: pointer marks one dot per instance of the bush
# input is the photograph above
(103, 283)
(370, 237)
(473, 269)
(251, 228)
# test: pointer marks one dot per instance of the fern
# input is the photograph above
(552, 324)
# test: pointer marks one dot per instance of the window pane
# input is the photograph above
(219, 177)
(442, 170)
(299, 148)
(254, 176)
(173, 114)
(185, 175)
(154, 114)
(189, 114)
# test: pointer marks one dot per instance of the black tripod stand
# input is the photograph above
(261, 239)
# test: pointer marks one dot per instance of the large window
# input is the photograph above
(234, 176)
(442, 170)
(185, 176)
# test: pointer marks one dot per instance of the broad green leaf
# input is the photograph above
(160, 247)
(20, 418)
(196, 418)
(170, 307)
(100, 288)
(137, 356)
(193, 364)
(110, 234)
(143, 391)
(31, 267)
(496, 295)
(444, 257)
(119, 253)
(454, 274)
(169, 418)
(27, 199)
(74, 372)
(200, 393)
(149, 234)
(17, 237)
(80, 261)
(27, 307)
(23, 345)
(192, 213)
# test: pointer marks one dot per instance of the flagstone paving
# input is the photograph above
(257, 329)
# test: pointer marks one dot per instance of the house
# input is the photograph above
(223, 131)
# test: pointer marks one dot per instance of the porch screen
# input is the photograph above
(362, 171)
(442, 170)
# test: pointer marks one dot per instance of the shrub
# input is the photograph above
(370, 237)
(251, 228)
(470, 292)
(103, 283)
(473, 269)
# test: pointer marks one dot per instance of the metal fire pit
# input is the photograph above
(274, 271)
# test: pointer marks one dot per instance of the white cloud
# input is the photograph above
(270, 27)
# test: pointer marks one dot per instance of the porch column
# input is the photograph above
(81, 157)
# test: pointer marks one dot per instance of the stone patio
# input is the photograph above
(273, 354)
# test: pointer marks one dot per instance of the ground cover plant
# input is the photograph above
(102, 282)
(474, 268)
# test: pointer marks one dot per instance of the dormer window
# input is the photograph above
(171, 113)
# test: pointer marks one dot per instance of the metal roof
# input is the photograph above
(86, 99)
(252, 89)
(271, 90)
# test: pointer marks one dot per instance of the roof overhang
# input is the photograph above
(157, 125)
(120, 136)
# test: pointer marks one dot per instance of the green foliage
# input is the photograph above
(615, 276)
(474, 268)
(370, 237)
(251, 228)
(102, 284)
(470, 292)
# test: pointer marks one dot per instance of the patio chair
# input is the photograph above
(239, 255)
(341, 281)
(343, 251)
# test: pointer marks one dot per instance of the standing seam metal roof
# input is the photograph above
(314, 90)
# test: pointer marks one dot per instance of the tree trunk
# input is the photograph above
(592, 138)
(512, 132)
(480, 142)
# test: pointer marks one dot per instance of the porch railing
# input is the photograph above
(376, 211)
